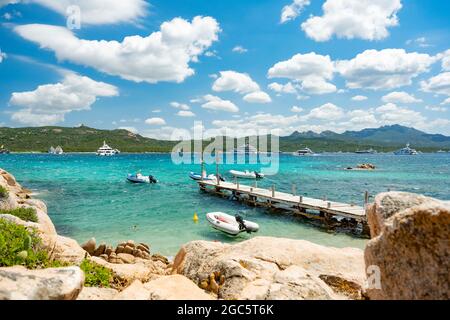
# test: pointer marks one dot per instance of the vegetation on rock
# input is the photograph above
(3, 192)
(26, 214)
(96, 275)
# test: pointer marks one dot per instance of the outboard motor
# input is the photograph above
(242, 225)
(221, 178)
(258, 176)
(152, 179)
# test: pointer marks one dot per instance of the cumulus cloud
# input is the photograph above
(312, 71)
(446, 60)
(155, 121)
(2, 56)
(296, 109)
(239, 49)
(421, 42)
(257, 97)
(184, 113)
(328, 111)
(293, 10)
(439, 84)
(162, 56)
(385, 69)
(95, 12)
(446, 101)
(181, 106)
(283, 88)
(48, 104)
(436, 108)
(359, 98)
(235, 81)
(212, 102)
(390, 114)
(400, 97)
(363, 19)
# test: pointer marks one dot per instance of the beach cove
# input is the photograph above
(88, 196)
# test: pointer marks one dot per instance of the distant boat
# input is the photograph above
(407, 151)
(246, 174)
(3, 150)
(210, 177)
(441, 151)
(57, 150)
(304, 152)
(246, 149)
(107, 151)
(368, 151)
(139, 178)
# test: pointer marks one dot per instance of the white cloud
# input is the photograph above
(400, 97)
(184, 113)
(421, 42)
(296, 109)
(363, 19)
(164, 133)
(239, 49)
(96, 12)
(392, 114)
(157, 111)
(439, 84)
(446, 60)
(446, 101)
(131, 129)
(162, 56)
(327, 111)
(155, 121)
(359, 98)
(257, 97)
(436, 108)
(385, 69)
(283, 88)
(181, 106)
(312, 71)
(218, 104)
(293, 10)
(2, 56)
(235, 81)
(49, 103)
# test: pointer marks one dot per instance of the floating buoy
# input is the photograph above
(195, 218)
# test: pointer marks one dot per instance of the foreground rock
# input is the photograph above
(175, 287)
(92, 293)
(410, 247)
(273, 268)
(18, 283)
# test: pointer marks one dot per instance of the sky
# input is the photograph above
(231, 66)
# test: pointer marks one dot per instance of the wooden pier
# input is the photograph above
(330, 212)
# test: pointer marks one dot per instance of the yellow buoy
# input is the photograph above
(195, 218)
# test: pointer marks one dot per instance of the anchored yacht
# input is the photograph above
(407, 151)
(304, 152)
(106, 150)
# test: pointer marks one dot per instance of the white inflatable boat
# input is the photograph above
(246, 174)
(229, 224)
(139, 178)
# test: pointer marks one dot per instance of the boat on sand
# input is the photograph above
(229, 224)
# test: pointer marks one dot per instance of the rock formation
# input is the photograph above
(410, 249)
(273, 268)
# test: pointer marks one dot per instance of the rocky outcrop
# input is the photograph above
(409, 256)
(269, 268)
(125, 252)
(175, 287)
(135, 291)
(93, 293)
(18, 283)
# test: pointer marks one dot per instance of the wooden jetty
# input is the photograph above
(330, 212)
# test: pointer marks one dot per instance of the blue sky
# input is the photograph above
(296, 65)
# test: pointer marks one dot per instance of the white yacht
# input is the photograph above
(57, 150)
(407, 151)
(246, 149)
(106, 150)
(304, 152)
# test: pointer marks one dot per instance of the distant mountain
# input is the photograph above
(385, 138)
(79, 139)
(86, 139)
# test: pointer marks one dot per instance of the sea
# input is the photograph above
(88, 196)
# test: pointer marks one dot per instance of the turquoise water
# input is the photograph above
(88, 196)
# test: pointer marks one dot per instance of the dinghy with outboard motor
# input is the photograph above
(211, 177)
(246, 174)
(229, 224)
(140, 178)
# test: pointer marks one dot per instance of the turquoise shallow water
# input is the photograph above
(88, 195)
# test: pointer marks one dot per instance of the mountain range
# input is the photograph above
(86, 139)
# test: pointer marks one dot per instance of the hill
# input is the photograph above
(79, 139)
(86, 139)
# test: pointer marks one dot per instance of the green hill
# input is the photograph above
(79, 139)
(85, 139)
